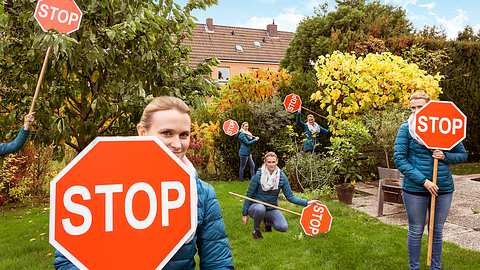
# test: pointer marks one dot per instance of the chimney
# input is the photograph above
(209, 25)
(272, 29)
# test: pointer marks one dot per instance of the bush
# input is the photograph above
(308, 171)
(26, 174)
(383, 126)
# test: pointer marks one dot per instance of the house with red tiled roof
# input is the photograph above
(238, 49)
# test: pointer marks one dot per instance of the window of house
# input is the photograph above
(223, 73)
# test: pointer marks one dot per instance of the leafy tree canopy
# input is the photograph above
(100, 77)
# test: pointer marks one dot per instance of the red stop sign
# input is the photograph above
(316, 219)
(230, 127)
(123, 203)
(440, 125)
(63, 16)
(292, 103)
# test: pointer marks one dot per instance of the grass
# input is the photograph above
(466, 168)
(356, 241)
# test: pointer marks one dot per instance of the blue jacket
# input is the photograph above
(255, 191)
(210, 239)
(245, 144)
(415, 162)
(311, 139)
(15, 145)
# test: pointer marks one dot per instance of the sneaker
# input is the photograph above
(257, 235)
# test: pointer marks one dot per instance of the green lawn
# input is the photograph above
(466, 168)
(356, 241)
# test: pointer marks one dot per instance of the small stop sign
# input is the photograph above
(440, 125)
(316, 219)
(230, 127)
(63, 16)
(292, 103)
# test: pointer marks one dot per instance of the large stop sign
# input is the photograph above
(61, 15)
(316, 219)
(123, 203)
(440, 125)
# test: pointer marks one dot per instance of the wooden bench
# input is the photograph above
(389, 188)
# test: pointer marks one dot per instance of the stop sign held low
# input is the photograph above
(316, 219)
(123, 203)
(440, 125)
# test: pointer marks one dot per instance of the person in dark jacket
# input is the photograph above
(168, 118)
(265, 186)
(246, 141)
(312, 130)
(19, 141)
(415, 162)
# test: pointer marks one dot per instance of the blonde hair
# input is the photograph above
(162, 103)
(243, 124)
(269, 154)
(419, 95)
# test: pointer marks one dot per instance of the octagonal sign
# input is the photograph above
(123, 203)
(61, 15)
(316, 219)
(230, 127)
(440, 125)
(292, 103)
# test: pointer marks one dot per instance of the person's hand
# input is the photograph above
(245, 220)
(257, 138)
(28, 120)
(313, 201)
(431, 187)
(438, 154)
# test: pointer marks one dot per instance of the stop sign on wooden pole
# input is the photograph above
(292, 103)
(63, 16)
(123, 203)
(439, 125)
(316, 219)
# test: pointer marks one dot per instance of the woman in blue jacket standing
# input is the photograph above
(265, 186)
(415, 162)
(311, 130)
(19, 141)
(246, 141)
(168, 118)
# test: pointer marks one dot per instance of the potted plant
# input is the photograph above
(346, 148)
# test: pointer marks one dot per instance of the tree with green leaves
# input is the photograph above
(100, 77)
(353, 21)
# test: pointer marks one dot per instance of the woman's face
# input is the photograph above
(172, 128)
(245, 126)
(271, 163)
(310, 119)
(417, 104)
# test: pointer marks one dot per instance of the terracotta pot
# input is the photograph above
(345, 192)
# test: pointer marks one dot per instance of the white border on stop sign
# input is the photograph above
(440, 101)
(193, 197)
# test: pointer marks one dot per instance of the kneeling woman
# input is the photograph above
(265, 186)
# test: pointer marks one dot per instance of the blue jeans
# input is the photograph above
(273, 217)
(417, 209)
(243, 163)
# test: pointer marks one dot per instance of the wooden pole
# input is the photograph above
(432, 215)
(264, 203)
(40, 78)
(314, 113)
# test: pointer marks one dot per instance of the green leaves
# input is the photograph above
(98, 78)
